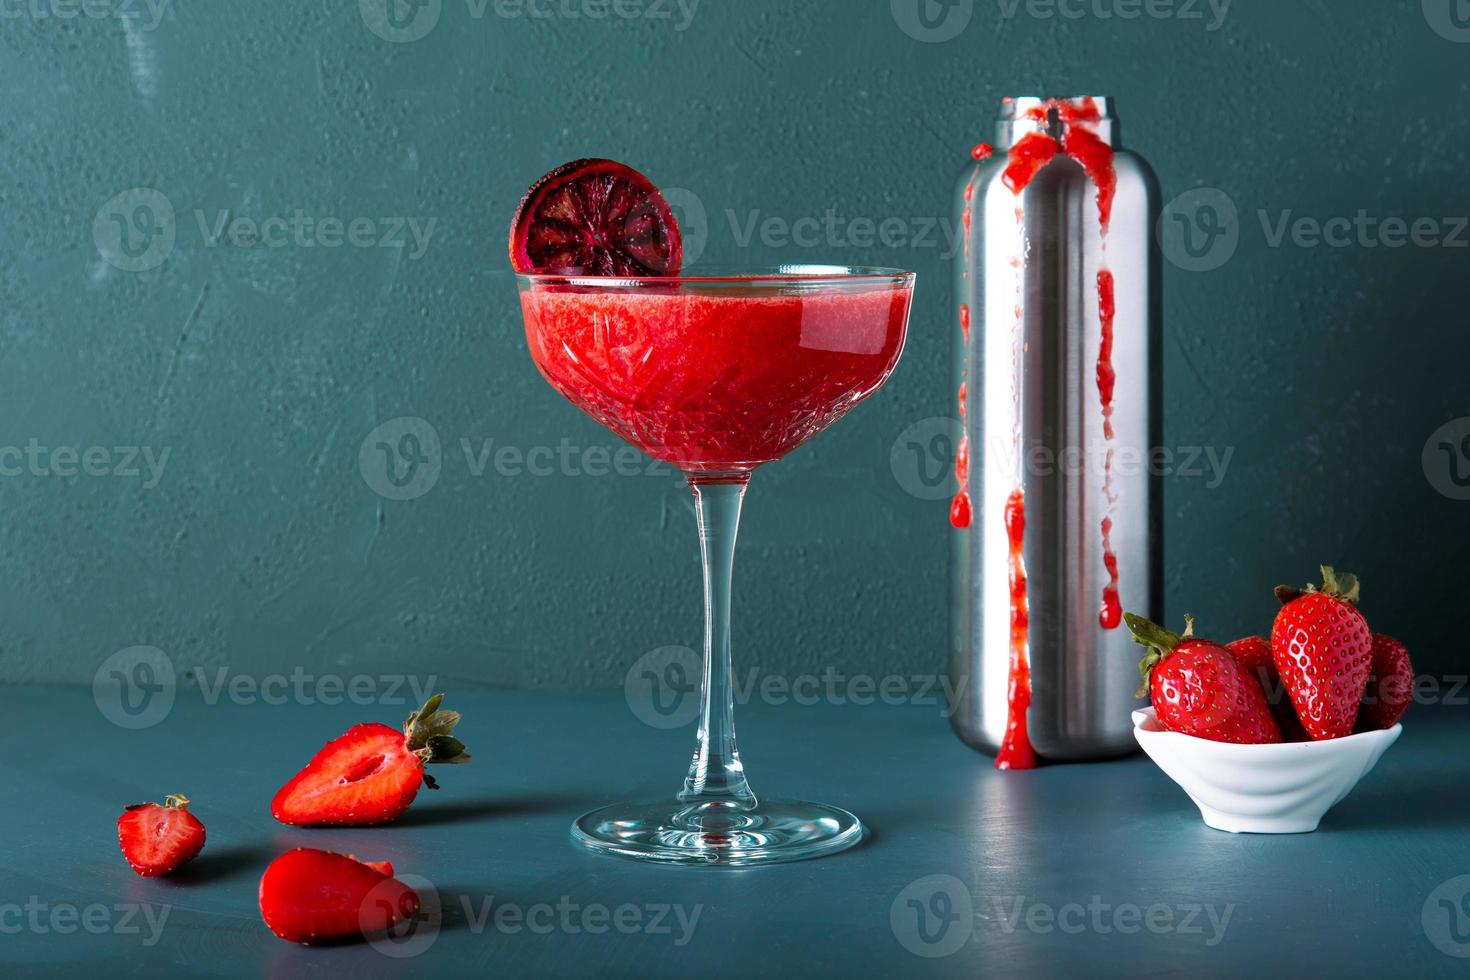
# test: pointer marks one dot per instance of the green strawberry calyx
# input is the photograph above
(1157, 641)
(429, 733)
(174, 801)
(1343, 586)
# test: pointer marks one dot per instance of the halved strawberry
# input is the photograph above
(157, 838)
(370, 774)
(1323, 650)
(1390, 685)
(1199, 688)
(597, 218)
(308, 896)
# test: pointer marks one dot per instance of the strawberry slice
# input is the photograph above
(598, 218)
(1199, 688)
(371, 773)
(309, 896)
(1323, 650)
(157, 838)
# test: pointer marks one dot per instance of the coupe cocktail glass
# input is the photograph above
(717, 375)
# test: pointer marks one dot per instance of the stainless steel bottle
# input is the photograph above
(1057, 373)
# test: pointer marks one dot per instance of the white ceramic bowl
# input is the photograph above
(1262, 789)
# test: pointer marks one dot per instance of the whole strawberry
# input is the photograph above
(371, 773)
(157, 838)
(1390, 685)
(1199, 688)
(1255, 653)
(312, 896)
(1323, 650)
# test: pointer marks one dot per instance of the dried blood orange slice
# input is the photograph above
(595, 217)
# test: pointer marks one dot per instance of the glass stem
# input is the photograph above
(716, 775)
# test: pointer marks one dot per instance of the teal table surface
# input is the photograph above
(967, 872)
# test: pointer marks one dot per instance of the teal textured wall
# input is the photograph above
(259, 355)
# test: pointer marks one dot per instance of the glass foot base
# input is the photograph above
(717, 835)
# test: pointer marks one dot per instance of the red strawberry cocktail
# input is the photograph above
(717, 375)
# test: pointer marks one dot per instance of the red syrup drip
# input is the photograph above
(1107, 378)
(980, 153)
(1111, 614)
(1028, 155)
(966, 218)
(960, 511)
(1083, 110)
(1015, 749)
(1096, 157)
